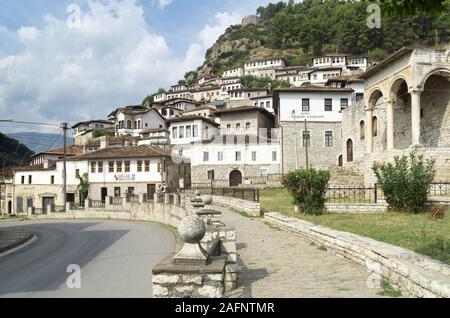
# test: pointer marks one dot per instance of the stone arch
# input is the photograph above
(435, 108)
(437, 70)
(235, 178)
(375, 126)
(400, 103)
(362, 130)
(349, 150)
(374, 96)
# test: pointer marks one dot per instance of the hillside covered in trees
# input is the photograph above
(13, 153)
(299, 31)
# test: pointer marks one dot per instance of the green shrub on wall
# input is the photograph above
(308, 188)
(406, 183)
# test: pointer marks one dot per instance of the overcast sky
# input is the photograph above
(55, 67)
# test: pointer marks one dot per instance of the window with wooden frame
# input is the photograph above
(147, 166)
(93, 167)
(111, 166)
(139, 166)
(100, 167)
(127, 166)
(119, 166)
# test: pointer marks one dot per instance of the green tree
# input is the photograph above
(406, 183)
(308, 189)
(83, 187)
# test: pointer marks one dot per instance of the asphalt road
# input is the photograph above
(116, 259)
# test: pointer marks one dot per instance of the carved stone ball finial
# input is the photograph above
(197, 193)
(192, 229)
(207, 199)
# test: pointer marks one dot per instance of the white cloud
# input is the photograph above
(111, 60)
(222, 20)
(164, 3)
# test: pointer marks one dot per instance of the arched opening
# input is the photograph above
(435, 110)
(375, 126)
(349, 150)
(375, 99)
(235, 178)
(129, 124)
(362, 130)
(340, 160)
(401, 110)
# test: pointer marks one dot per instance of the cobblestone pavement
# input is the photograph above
(274, 263)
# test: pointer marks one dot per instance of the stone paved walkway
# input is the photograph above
(274, 263)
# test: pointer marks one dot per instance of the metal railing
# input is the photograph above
(133, 199)
(440, 189)
(116, 201)
(249, 194)
(97, 204)
(352, 195)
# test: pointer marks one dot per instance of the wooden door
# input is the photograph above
(235, 178)
(151, 190)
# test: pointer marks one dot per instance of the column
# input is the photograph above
(369, 124)
(415, 117)
(390, 124)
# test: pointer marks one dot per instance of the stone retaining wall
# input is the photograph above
(249, 207)
(414, 274)
(356, 208)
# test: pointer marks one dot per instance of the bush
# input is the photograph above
(308, 187)
(406, 183)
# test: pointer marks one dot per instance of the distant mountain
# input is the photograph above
(39, 142)
(12, 152)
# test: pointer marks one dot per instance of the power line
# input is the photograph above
(12, 121)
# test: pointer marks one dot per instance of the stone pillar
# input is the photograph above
(108, 202)
(69, 206)
(49, 209)
(87, 203)
(141, 198)
(156, 197)
(166, 198)
(369, 136)
(177, 199)
(415, 117)
(183, 200)
(390, 124)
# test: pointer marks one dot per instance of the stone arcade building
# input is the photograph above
(406, 107)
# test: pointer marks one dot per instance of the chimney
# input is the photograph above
(103, 142)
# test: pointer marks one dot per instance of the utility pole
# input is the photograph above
(307, 138)
(64, 127)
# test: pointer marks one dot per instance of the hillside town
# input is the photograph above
(189, 150)
(342, 114)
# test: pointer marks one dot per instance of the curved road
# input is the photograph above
(116, 259)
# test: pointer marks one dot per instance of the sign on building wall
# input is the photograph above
(302, 116)
(125, 177)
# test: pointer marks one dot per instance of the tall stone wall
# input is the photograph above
(222, 172)
(435, 123)
(319, 155)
